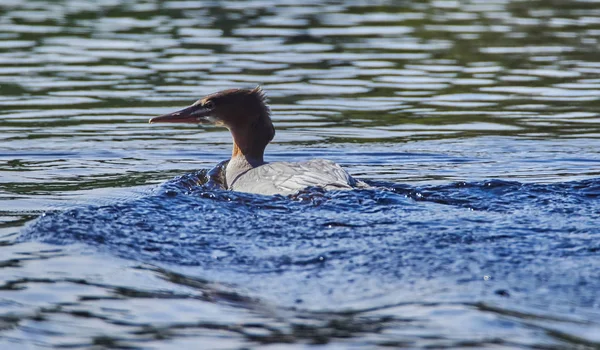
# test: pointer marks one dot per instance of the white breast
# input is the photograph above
(287, 178)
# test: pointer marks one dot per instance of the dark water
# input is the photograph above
(476, 122)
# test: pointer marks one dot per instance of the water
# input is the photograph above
(476, 122)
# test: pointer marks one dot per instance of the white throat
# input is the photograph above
(237, 166)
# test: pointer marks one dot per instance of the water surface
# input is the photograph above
(476, 122)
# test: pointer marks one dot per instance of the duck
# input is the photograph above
(247, 115)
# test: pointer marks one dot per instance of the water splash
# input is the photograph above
(538, 242)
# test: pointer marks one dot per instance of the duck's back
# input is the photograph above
(287, 178)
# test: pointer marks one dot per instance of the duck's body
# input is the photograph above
(289, 177)
(246, 115)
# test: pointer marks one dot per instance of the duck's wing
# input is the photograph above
(287, 178)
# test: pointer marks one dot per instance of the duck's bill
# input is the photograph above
(196, 114)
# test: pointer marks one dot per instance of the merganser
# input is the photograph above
(248, 117)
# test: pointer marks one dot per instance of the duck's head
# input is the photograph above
(243, 111)
(233, 108)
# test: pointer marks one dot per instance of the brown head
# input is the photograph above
(243, 111)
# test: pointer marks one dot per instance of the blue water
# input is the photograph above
(527, 244)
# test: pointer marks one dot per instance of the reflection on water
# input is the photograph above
(418, 96)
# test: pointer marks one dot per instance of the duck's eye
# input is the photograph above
(209, 104)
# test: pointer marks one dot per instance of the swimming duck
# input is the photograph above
(248, 117)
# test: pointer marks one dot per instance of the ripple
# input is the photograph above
(526, 50)
(13, 44)
(427, 101)
(62, 101)
(30, 29)
(543, 91)
(547, 73)
(471, 97)
(362, 30)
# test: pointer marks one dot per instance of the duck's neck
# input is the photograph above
(248, 150)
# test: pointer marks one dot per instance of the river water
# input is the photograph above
(477, 123)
